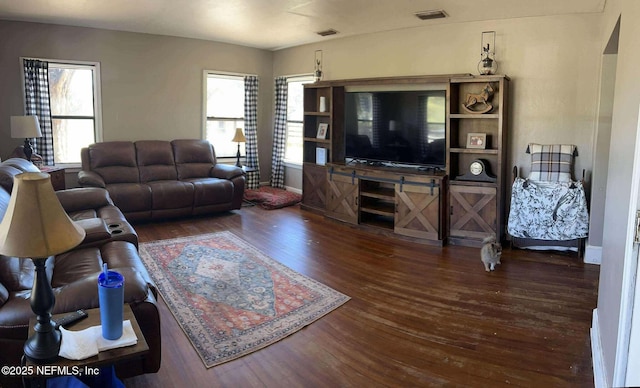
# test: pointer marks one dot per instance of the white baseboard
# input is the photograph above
(599, 371)
(288, 188)
(593, 255)
(293, 189)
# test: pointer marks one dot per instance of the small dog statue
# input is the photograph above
(490, 253)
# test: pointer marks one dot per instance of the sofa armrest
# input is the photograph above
(90, 179)
(4, 294)
(84, 198)
(226, 171)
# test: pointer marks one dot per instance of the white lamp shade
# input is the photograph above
(25, 127)
(35, 224)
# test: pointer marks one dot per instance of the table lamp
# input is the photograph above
(36, 226)
(26, 127)
(239, 138)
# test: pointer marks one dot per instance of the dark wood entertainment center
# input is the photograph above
(455, 206)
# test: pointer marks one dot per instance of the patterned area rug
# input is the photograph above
(229, 298)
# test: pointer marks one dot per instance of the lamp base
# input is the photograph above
(43, 346)
(238, 164)
(28, 151)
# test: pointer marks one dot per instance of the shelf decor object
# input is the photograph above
(477, 140)
(317, 73)
(36, 226)
(488, 64)
(323, 104)
(322, 130)
(478, 171)
(321, 156)
(479, 103)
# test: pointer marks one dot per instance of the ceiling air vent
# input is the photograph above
(328, 32)
(433, 14)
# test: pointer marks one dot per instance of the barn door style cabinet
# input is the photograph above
(461, 205)
(390, 200)
(342, 196)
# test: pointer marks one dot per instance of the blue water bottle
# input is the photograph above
(111, 297)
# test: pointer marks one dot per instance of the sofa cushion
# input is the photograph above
(171, 194)
(115, 161)
(211, 191)
(120, 254)
(95, 230)
(131, 197)
(15, 311)
(83, 214)
(83, 293)
(17, 274)
(193, 158)
(75, 265)
(155, 160)
(75, 280)
(83, 198)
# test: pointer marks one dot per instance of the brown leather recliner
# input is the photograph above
(154, 179)
(110, 239)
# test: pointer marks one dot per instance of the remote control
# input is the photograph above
(66, 320)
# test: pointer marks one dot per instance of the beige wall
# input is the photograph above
(151, 84)
(619, 260)
(602, 143)
(553, 62)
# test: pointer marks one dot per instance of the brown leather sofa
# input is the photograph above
(154, 179)
(74, 274)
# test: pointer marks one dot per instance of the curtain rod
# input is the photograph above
(230, 73)
(296, 75)
(60, 61)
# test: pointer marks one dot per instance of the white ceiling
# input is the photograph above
(275, 24)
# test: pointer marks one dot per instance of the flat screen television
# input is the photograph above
(396, 127)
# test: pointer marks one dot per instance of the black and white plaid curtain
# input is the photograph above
(251, 129)
(279, 134)
(38, 103)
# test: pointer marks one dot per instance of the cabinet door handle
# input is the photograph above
(450, 210)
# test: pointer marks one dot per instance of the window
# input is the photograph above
(364, 105)
(224, 101)
(295, 114)
(435, 108)
(74, 97)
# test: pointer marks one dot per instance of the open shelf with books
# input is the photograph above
(323, 139)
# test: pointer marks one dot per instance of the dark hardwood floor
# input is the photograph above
(419, 315)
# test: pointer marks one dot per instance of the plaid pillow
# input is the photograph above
(552, 163)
